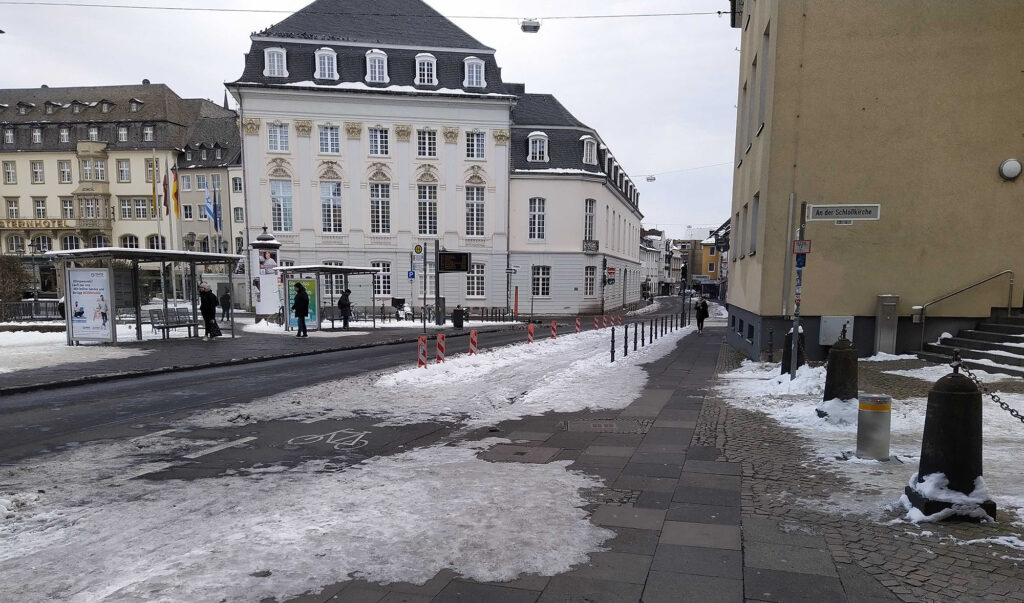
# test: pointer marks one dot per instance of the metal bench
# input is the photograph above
(176, 318)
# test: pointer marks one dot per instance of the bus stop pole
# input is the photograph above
(138, 300)
(231, 290)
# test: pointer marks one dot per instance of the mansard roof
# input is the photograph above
(158, 103)
(407, 23)
(212, 131)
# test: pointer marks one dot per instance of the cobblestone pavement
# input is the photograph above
(874, 560)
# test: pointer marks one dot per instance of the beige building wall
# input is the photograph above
(910, 105)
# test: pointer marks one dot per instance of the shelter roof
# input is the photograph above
(144, 255)
(324, 269)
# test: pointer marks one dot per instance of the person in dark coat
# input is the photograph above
(702, 313)
(345, 305)
(225, 305)
(208, 308)
(301, 308)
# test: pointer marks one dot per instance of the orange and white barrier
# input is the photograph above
(578, 323)
(604, 320)
(421, 352)
(472, 342)
(440, 349)
(597, 325)
(618, 319)
(554, 330)
(529, 333)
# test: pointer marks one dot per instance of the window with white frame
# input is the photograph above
(379, 142)
(37, 171)
(589, 215)
(202, 154)
(541, 281)
(8, 135)
(100, 241)
(13, 210)
(380, 208)
(201, 184)
(188, 155)
(474, 211)
(536, 219)
(426, 143)
(215, 182)
(426, 69)
(382, 279)
(42, 243)
(326, 64)
(334, 284)
(281, 205)
(475, 145)
(186, 212)
(124, 170)
(538, 147)
(149, 169)
(711, 267)
(185, 180)
(67, 208)
(142, 209)
(474, 68)
(122, 133)
(377, 67)
(236, 184)
(133, 106)
(589, 280)
(426, 196)
(155, 242)
(37, 135)
(147, 133)
(89, 207)
(330, 140)
(100, 170)
(330, 206)
(277, 137)
(126, 209)
(94, 133)
(590, 151)
(216, 153)
(65, 135)
(15, 244)
(130, 242)
(86, 169)
(10, 173)
(76, 108)
(39, 205)
(275, 62)
(239, 214)
(201, 212)
(475, 280)
(105, 107)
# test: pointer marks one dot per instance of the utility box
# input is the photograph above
(886, 319)
(831, 327)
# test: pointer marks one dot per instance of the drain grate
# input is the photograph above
(607, 425)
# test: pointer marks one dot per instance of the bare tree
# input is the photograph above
(14, 281)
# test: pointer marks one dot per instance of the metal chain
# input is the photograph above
(959, 365)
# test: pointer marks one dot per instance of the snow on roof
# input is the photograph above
(560, 171)
(536, 133)
(329, 269)
(367, 88)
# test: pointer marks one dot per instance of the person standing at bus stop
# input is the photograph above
(345, 306)
(208, 308)
(301, 308)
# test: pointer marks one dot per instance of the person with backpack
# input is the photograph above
(345, 306)
(702, 313)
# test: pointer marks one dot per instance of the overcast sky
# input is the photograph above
(661, 91)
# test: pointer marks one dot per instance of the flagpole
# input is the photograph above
(159, 231)
(170, 226)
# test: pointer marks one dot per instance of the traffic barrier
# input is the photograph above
(597, 325)
(618, 319)
(472, 343)
(440, 349)
(578, 322)
(421, 352)
(529, 333)
(554, 330)
(604, 320)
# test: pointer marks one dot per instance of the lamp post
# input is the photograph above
(190, 241)
(35, 275)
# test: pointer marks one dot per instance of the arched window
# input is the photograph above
(275, 62)
(377, 67)
(155, 242)
(100, 241)
(426, 69)
(326, 64)
(130, 242)
(42, 244)
(589, 150)
(538, 149)
(474, 76)
(70, 242)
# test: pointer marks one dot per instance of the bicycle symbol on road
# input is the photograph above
(343, 438)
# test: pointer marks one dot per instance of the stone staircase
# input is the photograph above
(999, 339)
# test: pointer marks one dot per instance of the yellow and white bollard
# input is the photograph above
(874, 422)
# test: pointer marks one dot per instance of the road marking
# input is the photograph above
(196, 455)
(350, 439)
(154, 434)
(121, 479)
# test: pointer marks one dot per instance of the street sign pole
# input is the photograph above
(798, 290)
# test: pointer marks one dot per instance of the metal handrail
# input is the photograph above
(1009, 301)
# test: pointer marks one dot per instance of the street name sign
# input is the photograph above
(843, 212)
(801, 246)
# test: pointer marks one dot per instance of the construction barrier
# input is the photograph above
(618, 319)
(529, 333)
(440, 348)
(578, 323)
(604, 320)
(472, 342)
(554, 330)
(597, 325)
(421, 353)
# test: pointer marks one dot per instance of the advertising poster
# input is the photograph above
(89, 304)
(313, 320)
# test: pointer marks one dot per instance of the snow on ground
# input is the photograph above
(883, 357)
(357, 327)
(72, 528)
(566, 374)
(934, 372)
(36, 349)
(878, 485)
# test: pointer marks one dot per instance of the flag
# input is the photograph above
(209, 204)
(174, 191)
(167, 198)
(218, 222)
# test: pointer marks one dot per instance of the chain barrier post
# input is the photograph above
(421, 352)
(958, 364)
(473, 343)
(440, 348)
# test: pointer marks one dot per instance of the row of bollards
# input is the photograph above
(656, 327)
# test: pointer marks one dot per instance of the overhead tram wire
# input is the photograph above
(651, 176)
(368, 14)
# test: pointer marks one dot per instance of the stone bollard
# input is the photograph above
(874, 426)
(841, 372)
(787, 352)
(952, 446)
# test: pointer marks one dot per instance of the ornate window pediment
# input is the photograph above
(476, 175)
(427, 173)
(330, 170)
(379, 172)
(279, 167)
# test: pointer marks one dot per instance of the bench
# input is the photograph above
(176, 318)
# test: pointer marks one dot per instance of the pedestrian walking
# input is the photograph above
(225, 305)
(208, 308)
(702, 313)
(301, 308)
(345, 306)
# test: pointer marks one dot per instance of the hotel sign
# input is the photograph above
(34, 224)
(843, 212)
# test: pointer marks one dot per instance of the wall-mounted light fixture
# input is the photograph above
(1009, 169)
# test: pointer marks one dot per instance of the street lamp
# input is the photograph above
(35, 276)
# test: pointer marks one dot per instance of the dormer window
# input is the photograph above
(216, 153)
(76, 108)
(426, 70)
(275, 62)
(202, 154)
(37, 135)
(105, 107)
(49, 108)
(23, 108)
(8, 135)
(326, 65)
(133, 106)
(474, 68)
(589, 150)
(94, 133)
(188, 155)
(377, 67)
(538, 147)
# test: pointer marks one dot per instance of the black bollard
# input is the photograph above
(643, 333)
(952, 445)
(787, 352)
(771, 345)
(634, 336)
(841, 371)
(613, 344)
(625, 340)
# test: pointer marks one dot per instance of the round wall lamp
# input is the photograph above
(1009, 169)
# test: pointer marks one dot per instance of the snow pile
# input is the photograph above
(839, 412)
(883, 357)
(276, 535)
(766, 379)
(34, 349)
(934, 372)
(935, 486)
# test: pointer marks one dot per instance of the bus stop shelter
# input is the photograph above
(70, 257)
(316, 272)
